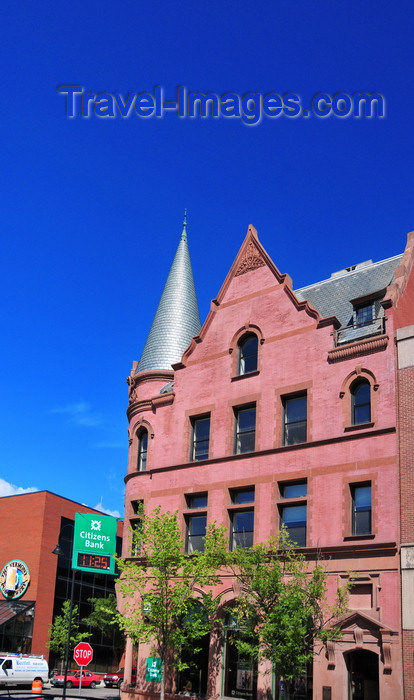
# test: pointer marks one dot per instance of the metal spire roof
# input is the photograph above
(177, 318)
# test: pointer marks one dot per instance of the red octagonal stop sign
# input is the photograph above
(83, 653)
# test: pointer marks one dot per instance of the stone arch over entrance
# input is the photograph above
(364, 664)
(363, 678)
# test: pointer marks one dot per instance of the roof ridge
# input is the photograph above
(348, 274)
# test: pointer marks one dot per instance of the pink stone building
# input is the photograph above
(281, 408)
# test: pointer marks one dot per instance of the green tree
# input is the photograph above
(59, 632)
(161, 605)
(104, 617)
(282, 610)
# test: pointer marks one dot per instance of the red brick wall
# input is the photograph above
(30, 526)
(406, 434)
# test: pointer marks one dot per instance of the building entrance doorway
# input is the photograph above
(362, 675)
(240, 674)
(193, 680)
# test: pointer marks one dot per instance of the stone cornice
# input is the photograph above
(150, 404)
(361, 347)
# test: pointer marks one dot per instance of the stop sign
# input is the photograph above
(83, 653)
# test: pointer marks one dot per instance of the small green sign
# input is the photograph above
(94, 543)
(153, 670)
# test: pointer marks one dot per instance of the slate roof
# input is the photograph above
(177, 318)
(332, 297)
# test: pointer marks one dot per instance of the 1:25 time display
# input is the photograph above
(94, 561)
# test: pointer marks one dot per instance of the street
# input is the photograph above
(100, 692)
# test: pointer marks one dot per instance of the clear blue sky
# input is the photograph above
(92, 208)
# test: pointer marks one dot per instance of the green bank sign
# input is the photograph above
(153, 670)
(94, 543)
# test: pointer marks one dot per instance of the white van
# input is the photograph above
(22, 669)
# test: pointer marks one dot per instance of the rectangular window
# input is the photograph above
(196, 500)
(245, 429)
(196, 532)
(293, 515)
(136, 525)
(239, 496)
(295, 419)
(137, 506)
(200, 438)
(364, 315)
(361, 509)
(241, 528)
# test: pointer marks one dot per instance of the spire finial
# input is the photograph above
(184, 233)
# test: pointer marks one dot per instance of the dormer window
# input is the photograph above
(248, 349)
(364, 314)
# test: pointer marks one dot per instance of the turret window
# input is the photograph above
(142, 451)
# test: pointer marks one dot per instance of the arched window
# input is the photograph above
(142, 450)
(248, 349)
(360, 402)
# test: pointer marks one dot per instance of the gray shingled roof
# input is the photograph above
(332, 296)
(177, 318)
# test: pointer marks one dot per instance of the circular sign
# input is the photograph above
(83, 653)
(14, 579)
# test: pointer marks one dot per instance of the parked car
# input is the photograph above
(89, 680)
(115, 680)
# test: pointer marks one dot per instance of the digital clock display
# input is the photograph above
(94, 561)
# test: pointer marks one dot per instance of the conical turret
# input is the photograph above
(177, 318)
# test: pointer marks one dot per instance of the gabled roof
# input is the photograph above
(177, 318)
(332, 297)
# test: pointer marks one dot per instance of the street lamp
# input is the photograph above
(59, 551)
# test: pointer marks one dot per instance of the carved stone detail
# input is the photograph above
(330, 648)
(251, 260)
(359, 637)
(362, 347)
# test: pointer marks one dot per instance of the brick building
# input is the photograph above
(403, 291)
(282, 408)
(32, 524)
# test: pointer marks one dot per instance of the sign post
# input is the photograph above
(83, 655)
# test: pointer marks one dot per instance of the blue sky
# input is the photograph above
(92, 207)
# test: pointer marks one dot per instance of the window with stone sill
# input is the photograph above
(294, 419)
(196, 526)
(360, 402)
(293, 510)
(142, 450)
(361, 504)
(248, 354)
(200, 438)
(241, 528)
(244, 429)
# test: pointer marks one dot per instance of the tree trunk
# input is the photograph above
(162, 679)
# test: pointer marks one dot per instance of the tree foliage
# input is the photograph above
(167, 594)
(104, 614)
(59, 631)
(104, 617)
(282, 607)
